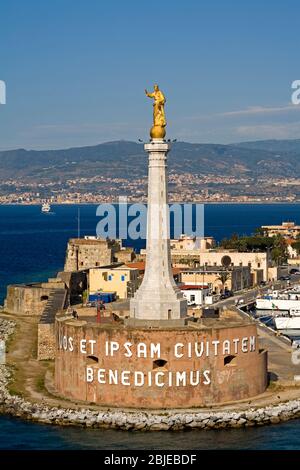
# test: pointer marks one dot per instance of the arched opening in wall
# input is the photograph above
(230, 360)
(92, 360)
(44, 297)
(169, 314)
(159, 363)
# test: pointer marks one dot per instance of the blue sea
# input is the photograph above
(32, 248)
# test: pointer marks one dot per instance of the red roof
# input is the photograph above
(140, 265)
(190, 287)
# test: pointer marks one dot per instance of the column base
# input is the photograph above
(141, 323)
(153, 307)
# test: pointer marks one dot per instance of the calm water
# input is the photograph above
(32, 247)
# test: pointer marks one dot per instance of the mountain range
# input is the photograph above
(278, 158)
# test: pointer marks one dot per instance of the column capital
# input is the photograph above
(157, 145)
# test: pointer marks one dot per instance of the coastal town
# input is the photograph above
(186, 187)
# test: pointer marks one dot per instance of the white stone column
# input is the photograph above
(158, 297)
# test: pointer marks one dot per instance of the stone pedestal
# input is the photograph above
(158, 297)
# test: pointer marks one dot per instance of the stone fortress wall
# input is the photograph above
(27, 299)
(242, 416)
(123, 367)
(31, 299)
(90, 253)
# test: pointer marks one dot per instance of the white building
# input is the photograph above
(195, 294)
(192, 243)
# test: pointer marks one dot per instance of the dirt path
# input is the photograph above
(21, 354)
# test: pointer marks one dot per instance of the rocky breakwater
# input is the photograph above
(136, 420)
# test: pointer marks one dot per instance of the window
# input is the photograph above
(159, 363)
(44, 297)
(230, 360)
(258, 265)
(249, 264)
(104, 276)
(192, 298)
(92, 359)
(169, 314)
(122, 277)
(110, 277)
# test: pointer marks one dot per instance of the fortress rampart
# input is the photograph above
(158, 368)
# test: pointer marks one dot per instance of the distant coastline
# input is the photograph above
(145, 202)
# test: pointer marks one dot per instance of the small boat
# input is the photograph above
(46, 207)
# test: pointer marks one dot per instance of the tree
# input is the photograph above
(259, 231)
(223, 277)
(258, 242)
(84, 297)
(279, 251)
(296, 244)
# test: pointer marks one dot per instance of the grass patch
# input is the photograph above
(13, 391)
(40, 383)
(34, 350)
(274, 386)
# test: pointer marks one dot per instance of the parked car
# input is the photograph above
(294, 271)
(226, 294)
(262, 283)
(297, 273)
(284, 278)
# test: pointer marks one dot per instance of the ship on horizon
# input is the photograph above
(46, 208)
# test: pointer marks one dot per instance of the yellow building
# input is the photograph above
(122, 280)
(286, 229)
(192, 243)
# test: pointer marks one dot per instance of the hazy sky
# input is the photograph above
(76, 70)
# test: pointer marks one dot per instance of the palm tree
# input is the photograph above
(223, 277)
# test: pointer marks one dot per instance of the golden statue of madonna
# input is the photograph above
(158, 130)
